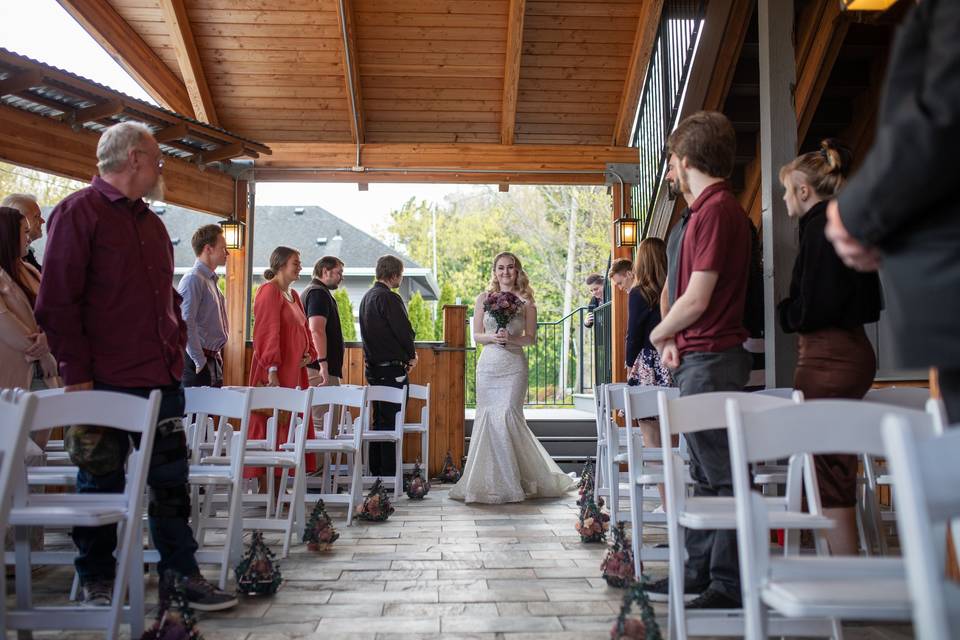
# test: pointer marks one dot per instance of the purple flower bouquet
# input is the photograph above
(503, 306)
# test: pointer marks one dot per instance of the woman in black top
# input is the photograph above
(643, 314)
(828, 305)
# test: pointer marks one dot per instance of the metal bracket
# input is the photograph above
(236, 169)
(628, 173)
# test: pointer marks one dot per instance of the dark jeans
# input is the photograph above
(169, 504)
(211, 376)
(382, 461)
(949, 381)
(712, 555)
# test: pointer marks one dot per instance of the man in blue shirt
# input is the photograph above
(204, 310)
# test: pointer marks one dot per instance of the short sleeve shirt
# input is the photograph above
(717, 239)
(320, 302)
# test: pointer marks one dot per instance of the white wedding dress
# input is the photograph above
(506, 463)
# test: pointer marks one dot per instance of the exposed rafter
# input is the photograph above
(351, 70)
(20, 82)
(511, 70)
(643, 41)
(136, 57)
(191, 67)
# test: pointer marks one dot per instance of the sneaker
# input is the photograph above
(201, 595)
(97, 593)
(711, 599)
(659, 591)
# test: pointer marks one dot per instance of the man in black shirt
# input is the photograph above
(324, 319)
(595, 284)
(388, 351)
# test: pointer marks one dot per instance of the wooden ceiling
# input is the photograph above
(447, 72)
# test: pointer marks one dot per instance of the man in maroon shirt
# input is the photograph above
(112, 318)
(702, 332)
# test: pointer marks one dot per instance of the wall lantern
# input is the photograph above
(233, 233)
(867, 5)
(625, 231)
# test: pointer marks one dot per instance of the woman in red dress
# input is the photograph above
(282, 346)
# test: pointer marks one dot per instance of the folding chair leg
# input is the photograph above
(355, 487)
(398, 477)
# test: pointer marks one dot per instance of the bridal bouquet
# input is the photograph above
(503, 306)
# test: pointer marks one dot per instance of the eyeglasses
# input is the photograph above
(159, 160)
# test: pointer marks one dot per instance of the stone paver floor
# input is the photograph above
(436, 569)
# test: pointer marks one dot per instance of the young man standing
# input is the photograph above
(595, 284)
(204, 310)
(621, 274)
(702, 332)
(323, 317)
(389, 353)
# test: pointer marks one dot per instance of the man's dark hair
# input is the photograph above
(708, 142)
(389, 267)
(205, 235)
(594, 278)
(326, 263)
(620, 265)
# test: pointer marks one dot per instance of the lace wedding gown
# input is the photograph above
(506, 463)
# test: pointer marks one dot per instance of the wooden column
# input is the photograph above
(618, 329)
(446, 430)
(238, 297)
(778, 145)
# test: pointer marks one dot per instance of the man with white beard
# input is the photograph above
(112, 318)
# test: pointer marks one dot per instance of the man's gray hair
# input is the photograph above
(116, 142)
(20, 201)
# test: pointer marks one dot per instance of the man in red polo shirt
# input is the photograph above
(702, 332)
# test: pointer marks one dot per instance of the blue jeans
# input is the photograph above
(169, 505)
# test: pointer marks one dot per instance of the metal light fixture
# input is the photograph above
(867, 5)
(233, 233)
(626, 231)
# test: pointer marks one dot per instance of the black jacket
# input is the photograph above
(641, 320)
(824, 292)
(904, 199)
(384, 327)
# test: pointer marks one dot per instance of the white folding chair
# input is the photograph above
(687, 415)
(770, 475)
(377, 393)
(137, 416)
(16, 415)
(926, 475)
(344, 438)
(216, 464)
(809, 587)
(641, 402)
(615, 449)
(421, 426)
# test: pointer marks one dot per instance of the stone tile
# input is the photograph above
(587, 623)
(500, 624)
(493, 595)
(569, 572)
(439, 585)
(542, 583)
(344, 597)
(425, 574)
(294, 612)
(574, 595)
(555, 608)
(488, 574)
(437, 565)
(443, 610)
(383, 624)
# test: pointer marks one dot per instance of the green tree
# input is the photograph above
(345, 309)
(49, 189)
(420, 318)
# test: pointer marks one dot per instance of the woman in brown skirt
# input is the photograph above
(828, 305)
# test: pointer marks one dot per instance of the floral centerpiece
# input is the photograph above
(258, 572)
(592, 524)
(643, 628)
(376, 506)
(617, 564)
(175, 619)
(449, 472)
(419, 485)
(319, 533)
(502, 306)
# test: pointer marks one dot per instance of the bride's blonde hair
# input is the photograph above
(522, 282)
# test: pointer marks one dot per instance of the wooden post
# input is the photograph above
(618, 328)
(446, 432)
(778, 145)
(238, 297)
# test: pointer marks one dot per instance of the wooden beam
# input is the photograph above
(191, 67)
(27, 139)
(223, 153)
(96, 112)
(618, 313)
(131, 52)
(173, 132)
(726, 51)
(237, 296)
(20, 82)
(823, 39)
(647, 23)
(511, 70)
(351, 69)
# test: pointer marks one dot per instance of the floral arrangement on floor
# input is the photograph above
(502, 307)
(585, 485)
(419, 485)
(592, 524)
(319, 533)
(449, 472)
(643, 628)
(376, 506)
(617, 564)
(175, 620)
(258, 573)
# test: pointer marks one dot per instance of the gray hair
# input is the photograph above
(116, 142)
(20, 201)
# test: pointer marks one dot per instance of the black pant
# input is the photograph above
(210, 376)
(169, 506)
(382, 461)
(712, 559)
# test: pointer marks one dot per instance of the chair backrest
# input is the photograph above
(204, 404)
(16, 414)
(778, 392)
(421, 392)
(640, 403)
(380, 393)
(708, 410)
(345, 397)
(297, 402)
(926, 475)
(909, 397)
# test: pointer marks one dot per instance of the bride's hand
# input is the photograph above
(501, 337)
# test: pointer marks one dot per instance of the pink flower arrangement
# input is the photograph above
(503, 306)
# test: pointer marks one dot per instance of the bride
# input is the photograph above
(506, 463)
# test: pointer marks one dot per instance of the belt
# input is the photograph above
(210, 353)
(390, 363)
